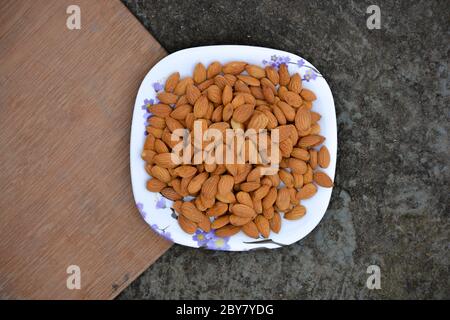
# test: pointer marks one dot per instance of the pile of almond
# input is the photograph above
(229, 198)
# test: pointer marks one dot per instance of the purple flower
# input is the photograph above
(161, 204)
(147, 103)
(157, 86)
(300, 63)
(310, 75)
(218, 243)
(140, 208)
(202, 237)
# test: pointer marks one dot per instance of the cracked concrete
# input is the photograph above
(390, 206)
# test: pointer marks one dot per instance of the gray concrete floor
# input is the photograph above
(390, 206)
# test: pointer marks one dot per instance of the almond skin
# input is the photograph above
(190, 211)
(215, 94)
(244, 198)
(255, 71)
(209, 188)
(162, 174)
(322, 179)
(307, 191)
(167, 97)
(308, 95)
(166, 160)
(243, 210)
(272, 75)
(220, 222)
(199, 73)
(239, 221)
(296, 213)
(213, 70)
(258, 121)
(323, 157)
(249, 80)
(303, 119)
(295, 84)
(155, 185)
(292, 99)
(196, 183)
(275, 222)
(243, 113)
(310, 141)
(172, 82)
(227, 231)
(201, 107)
(313, 158)
(217, 210)
(171, 194)
(226, 184)
(180, 113)
(263, 226)
(185, 171)
(251, 230)
(180, 88)
(192, 93)
(160, 110)
(227, 94)
(234, 67)
(187, 225)
(284, 75)
(270, 198)
(283, 199)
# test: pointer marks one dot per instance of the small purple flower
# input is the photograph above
(202, 237)
(161, 204)
(140, 208)
(218, 243)
(157, 86)
(147, 103)
(300, 63)
(274, 57)
(310, 75)
(285, 59)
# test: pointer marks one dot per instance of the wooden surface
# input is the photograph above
(66, 99)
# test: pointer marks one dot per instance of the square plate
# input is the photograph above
(156, 210)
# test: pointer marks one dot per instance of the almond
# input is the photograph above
(199, 73)
(288, 111)
(270, 198)
(308, 175)
(297, 165)
(190, 211)
(155, 185)
(221, 81)
(307, 191)
(167, 97)
(308, 95)
(301, 154)
(293, 99)
(215, 94)
(249, 80)
(261, 192)
(286, 177)
(283, 199)
(284, 75)
(251, 230)
(244, 198)
(243, 113)
(220, 222)
(268, 94)
(167, 160)
(213, 69)
(226, 184)
(243, 210)
(227, 94)
(187, 225)
(258, 121)
(250, 186)
(209, 188)
(180, 88)
(324, 157)
(255, 71)
(275, 222)
(180, 113)
(272, 75)
(192, 93)
(322, 179)
(295, 84)
(196, 183)
(227, 231)
(296, 213)
(238, 220)
(310, 141)
(171, 194)
(263, 226)
(172, 82)
(205, 85)
(201, 107)
(268, 213)
(234, 67)
(303, 119)
(218, 209)
(185, 171)
(160, 110)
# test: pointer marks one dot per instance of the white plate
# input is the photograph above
(156, 210)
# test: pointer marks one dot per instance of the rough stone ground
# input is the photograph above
(390, 206)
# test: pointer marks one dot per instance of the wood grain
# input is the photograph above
(66, 99)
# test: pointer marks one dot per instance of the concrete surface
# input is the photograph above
(390, 206)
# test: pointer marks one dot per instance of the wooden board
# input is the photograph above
(66, 99)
